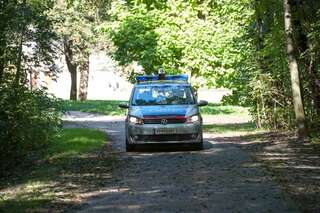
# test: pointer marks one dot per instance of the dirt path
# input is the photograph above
(221, 178)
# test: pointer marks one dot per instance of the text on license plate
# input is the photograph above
(164, 131)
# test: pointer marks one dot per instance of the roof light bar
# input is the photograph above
(145, 78)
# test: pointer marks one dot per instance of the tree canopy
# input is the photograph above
(180, 36)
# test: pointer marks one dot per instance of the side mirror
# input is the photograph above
(124, 105)
(202, 103)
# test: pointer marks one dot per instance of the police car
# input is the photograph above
(163, 109)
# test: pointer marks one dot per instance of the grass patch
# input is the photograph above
(219, 109)
(75, 162)
(95, 106)
(111, 108)
(73, 142)
(232, 129)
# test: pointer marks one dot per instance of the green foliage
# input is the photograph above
(242, 128)
(26, 27)
(77, 21)
(181, 36)
(237, 45)
(269, 86)
(220, 109)
(27, 121)
(136, 34)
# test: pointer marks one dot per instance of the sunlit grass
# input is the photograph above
(68, 166)
(239, 129)
(219, 109)
(74, 142)
(111, 108)
(95, 106)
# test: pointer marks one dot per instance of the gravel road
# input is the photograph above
(221, 178)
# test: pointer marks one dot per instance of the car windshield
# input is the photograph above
(162, 95)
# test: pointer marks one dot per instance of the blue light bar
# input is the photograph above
(144, 78)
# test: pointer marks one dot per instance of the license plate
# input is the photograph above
(165, 131)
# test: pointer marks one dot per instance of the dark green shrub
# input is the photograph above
(27, 121)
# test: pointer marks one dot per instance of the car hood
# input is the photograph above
(163, 110)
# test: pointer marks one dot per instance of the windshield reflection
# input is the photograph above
(162, 95)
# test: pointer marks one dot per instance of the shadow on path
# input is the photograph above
(220, 178)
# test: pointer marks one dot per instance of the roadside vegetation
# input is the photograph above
(76, 162)
(94, 106)
(233, 129)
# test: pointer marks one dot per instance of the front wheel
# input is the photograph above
(129, 147)
(199, 146)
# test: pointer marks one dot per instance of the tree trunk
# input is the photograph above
(84, 78)
(20, 50)
(72, 67)
(294, 72)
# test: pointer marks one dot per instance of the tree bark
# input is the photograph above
(84, 78)
(72, 67)
(20, 48)
(294, 72)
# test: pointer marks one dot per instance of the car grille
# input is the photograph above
(165, 138)
(173, 120)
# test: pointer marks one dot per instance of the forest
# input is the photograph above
(266, 51)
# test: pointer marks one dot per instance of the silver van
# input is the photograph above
(163, 109)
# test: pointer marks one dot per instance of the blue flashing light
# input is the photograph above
(144, 78)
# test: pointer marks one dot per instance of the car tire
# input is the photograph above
(199, 146)
(129, 147)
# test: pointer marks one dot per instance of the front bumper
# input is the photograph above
(170, 133)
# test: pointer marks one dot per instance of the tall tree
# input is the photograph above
(72, 66)
(77, 21)
(294, 71)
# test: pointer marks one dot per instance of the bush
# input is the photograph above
(27, 121)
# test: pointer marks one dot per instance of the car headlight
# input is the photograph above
(193, 119)
(135, 120)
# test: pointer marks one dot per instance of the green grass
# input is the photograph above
(232, 129)
(95, 106)
(74, 142)
(222, 128)
(111, 108)
(219, 109)
(73, 163)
